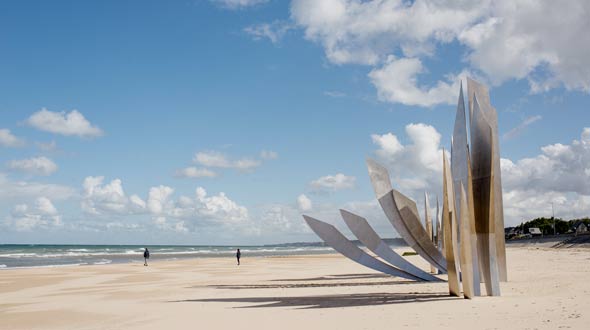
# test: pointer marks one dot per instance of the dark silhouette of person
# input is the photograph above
(146, 256)
(238, 255)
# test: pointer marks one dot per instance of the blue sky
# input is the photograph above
(272, 106)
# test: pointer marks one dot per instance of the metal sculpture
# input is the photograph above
(469, 230)
(366, 235)
(461, 173)
(480, 91)
(403, 215)
(466, 258)
(483, 198)
(340, 243)
(450, 234)
(428, 224)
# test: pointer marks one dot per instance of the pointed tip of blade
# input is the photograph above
(313, 222)
(309, 219)
(343, 212)
(372, 164)
(379, 178)
(348, 215)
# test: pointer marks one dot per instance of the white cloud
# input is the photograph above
(25, 189)
(47, 146)
(42, 215)
(44, 206)
(221, 160)
(558, 175)
(365, 32)
(530, 36)
(109, 198)
(521, 127)
(182, 214)
(304, 203)
(219, 207)
(158, 199)
(64, 123)
(194, 172)
(274, 31)
(268, 155)
(561, 168)
(7, 139)
(238, 4)
(333, 183)
(417, 166)
(396, 82)
(35, 166)
(544, 42)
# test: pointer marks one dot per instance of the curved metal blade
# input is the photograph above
(363, 231)
(403, 215)
(340, 243)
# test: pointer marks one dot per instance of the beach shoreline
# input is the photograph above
(547, 289)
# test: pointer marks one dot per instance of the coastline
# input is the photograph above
(547, 289)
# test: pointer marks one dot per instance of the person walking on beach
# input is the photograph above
(238, 255)
(146, 256)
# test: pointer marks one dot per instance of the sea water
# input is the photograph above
(19, 256)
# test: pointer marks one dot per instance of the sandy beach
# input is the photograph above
(548, 289)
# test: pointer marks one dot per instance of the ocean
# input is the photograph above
(25, 256)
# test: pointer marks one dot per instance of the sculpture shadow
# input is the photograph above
(301, 285)
(334, 277)
(330, 301)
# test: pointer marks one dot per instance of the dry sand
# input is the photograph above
(548, 289)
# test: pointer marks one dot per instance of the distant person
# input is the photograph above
(238, 255)
(146, 256)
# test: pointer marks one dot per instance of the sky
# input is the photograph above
(223, 121)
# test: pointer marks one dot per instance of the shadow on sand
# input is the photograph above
(335, 277)
(301, 285)
(331, 301)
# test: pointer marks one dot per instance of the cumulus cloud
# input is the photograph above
(158, 199)
(534, 38)
(64, 123)
(304, 203)
(560, 167)
(365, 32)
(274, 31)
(194, 172)
(414, 167)
(396, 82)
(42, 214)
(108, 198)
(10, 189)
(238, 4)
(7, 139)
(333, 183)
(35, 166)
(219, 207)
(181, 214)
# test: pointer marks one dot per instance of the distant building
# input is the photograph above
(579, 227)
(535, 232)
